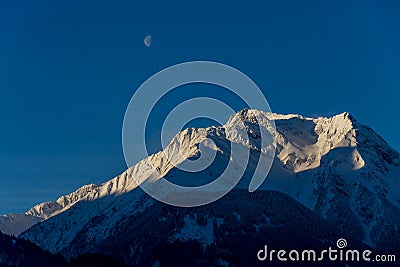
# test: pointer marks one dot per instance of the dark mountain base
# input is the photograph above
(15, 252)
(228, 232)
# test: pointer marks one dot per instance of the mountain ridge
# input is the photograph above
(333, 166)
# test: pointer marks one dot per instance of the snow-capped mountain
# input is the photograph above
(336, 170)
(14, 224)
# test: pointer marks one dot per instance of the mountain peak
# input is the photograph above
(248, 114)
(346, 116)
(244, 115)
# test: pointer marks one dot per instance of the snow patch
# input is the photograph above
(191, 230)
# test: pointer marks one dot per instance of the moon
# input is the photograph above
(147, 40)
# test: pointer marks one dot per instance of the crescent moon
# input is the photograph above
(147, 41)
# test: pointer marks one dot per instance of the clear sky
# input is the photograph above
(69, 68)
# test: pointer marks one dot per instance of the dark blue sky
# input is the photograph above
(68, 70)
